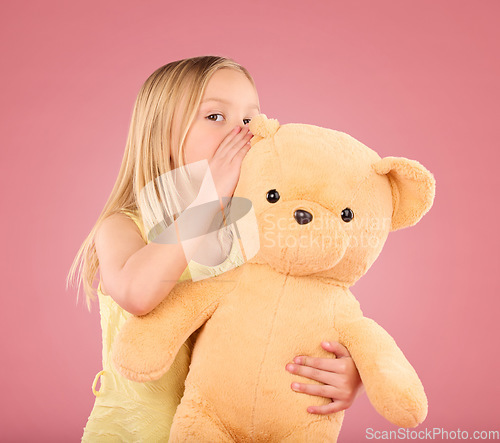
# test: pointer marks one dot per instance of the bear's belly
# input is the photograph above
(239, 360)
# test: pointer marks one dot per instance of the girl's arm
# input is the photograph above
(139, 276)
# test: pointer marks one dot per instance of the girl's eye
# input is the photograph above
(215, 120)
(213, 115)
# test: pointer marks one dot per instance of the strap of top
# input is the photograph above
(186, 275)
(135, 217)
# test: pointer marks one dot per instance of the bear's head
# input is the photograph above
(324, 202)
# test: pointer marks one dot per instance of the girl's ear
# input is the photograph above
(413, 189)
(262, 127)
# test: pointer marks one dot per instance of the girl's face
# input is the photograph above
(229, 100)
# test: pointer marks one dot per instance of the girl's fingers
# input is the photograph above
(240, 148)
(233, 137)
(335, 347)
(337, 365)
(320, 375)
(330, 408)
(226, 141)
(326, 391)
(330, 371)
(337, 405)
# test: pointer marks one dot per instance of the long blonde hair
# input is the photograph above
(148, 150)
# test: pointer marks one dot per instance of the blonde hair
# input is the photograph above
(176, 87)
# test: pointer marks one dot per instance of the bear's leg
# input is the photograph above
(195, 421)
(324, 429)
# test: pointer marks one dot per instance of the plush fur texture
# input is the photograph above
(290, 296)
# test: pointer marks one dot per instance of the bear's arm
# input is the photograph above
(147, 345)
(392, 385)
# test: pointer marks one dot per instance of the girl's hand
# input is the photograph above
(342, 383)
(225, 165)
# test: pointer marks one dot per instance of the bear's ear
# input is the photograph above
(413, 189)
(262, 127)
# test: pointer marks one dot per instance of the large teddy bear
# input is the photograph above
(324, 204)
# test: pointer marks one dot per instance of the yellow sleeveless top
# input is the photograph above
(128, 411)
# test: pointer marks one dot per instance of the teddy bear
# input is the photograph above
(324, 204)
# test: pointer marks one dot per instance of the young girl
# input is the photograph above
(186, 111)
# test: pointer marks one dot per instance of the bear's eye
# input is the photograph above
(347, 215)
(272, 196)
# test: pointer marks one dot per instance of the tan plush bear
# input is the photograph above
(324, 205)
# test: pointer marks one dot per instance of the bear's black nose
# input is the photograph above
(302, 217)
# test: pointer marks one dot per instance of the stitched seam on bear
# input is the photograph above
(212, 413)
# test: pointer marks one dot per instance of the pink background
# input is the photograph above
(411, 79)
